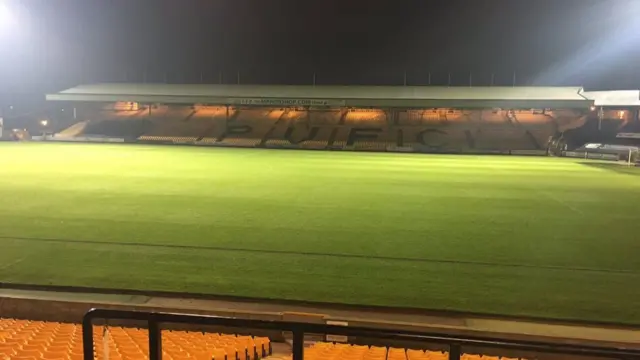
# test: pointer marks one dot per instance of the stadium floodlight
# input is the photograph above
(44, 122)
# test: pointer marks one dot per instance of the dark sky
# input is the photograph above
(55, 43)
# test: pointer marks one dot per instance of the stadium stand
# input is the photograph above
(35, 340)
(420, 119)
(324, 117)
(415, 136)
(130, 129)
(250, 127)
(74, 130)
(120, 124)
(184, 124)
(370, 117)
(331, 351)
(419, 130)
(566, 120)
(502, 138)
(300, 135)
(494, 117)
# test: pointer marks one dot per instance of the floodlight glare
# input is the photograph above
(7, 18)
(44, 122)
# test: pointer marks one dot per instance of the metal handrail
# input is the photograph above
(156, 319)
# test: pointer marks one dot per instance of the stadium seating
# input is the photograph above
(35, 340)
(301, 134)
(165, 124)
(131, 128)
(567, 120)
(494, 117)
(420, 117)
(365, 117)
(76, 129)
(118, 124)
(439, 138)
(184, 123)
(408, 118)
(420, 130)
(276, 135)
(249, 127)
(503, 139)
(329, 351)
(325, 117)
(457, 116)
(174, 139)
(530, 118)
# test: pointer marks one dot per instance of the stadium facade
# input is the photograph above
(533, 120)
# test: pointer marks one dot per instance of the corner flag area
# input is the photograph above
(523, 236)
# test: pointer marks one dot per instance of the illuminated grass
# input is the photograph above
(505, 235)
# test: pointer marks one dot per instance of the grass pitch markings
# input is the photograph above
(373, 208)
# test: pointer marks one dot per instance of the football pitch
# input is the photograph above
(524, 236)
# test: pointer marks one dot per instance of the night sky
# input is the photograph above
(58, 43)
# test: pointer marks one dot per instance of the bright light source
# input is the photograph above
(621, 114)
(7, 18)
(593, 108)
(44, 122)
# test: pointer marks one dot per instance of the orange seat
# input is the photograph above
(35, 340)
(32, 352)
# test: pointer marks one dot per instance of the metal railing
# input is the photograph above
(154, 321)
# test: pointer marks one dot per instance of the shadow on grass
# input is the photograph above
(616, 167)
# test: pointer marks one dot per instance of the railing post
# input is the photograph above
(455, 344)
(298, 344)
(87, 337)
(155, 340)
(454, 351)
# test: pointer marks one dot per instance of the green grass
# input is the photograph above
(532, 236)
